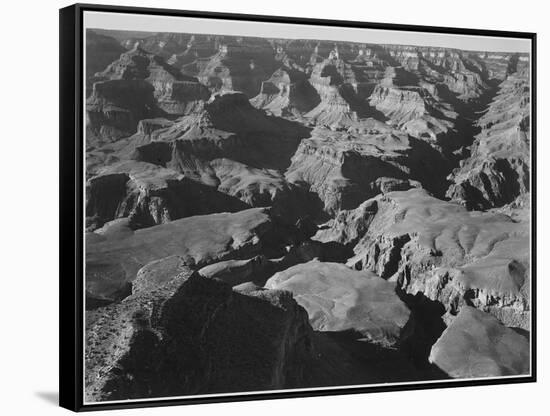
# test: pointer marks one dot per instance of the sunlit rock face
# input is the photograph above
(339, 299)
(478, 345)
(295, 213)
(449, 254)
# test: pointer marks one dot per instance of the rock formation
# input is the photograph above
(149, 195)
(176, 93)
(115, 108)
(339, 299)
(261, 341)
(478, 345)
(450, 255)
(241, 64)
(113, 260)
(344, 168)
(101, 50)
(497, 171)
(283, 213)
(288, 93)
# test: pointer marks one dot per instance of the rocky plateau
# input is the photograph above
(266, 214)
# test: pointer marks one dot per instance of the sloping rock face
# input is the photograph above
(113, 260)
(158, 273)
(122, 149)
(349, 226)
(287, 93)
(237, 272)
(478, 345)
(208, 148)
(412, 106)
(450, 255)
(337, 298)
(225, 341)
(328, 77)
(260, 188)
(497, 171)
(227, 125)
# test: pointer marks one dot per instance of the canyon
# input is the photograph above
(266, 214)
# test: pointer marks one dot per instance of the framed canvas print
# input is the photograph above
(255, 207)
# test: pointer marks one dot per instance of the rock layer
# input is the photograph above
(219, 166)
(497, 171)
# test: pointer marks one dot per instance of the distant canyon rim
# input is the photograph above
(266, 214)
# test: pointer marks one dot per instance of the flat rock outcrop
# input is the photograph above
(477, 345)
(340, 299)
(113, 262)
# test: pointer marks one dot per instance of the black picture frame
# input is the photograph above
(71, 259)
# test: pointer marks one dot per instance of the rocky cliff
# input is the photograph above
(255, 341)
(277, 213)
(497, 171)
(176, 93)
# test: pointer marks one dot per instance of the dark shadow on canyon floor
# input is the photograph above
(342, 359)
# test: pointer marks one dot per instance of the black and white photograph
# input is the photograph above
(282, 207)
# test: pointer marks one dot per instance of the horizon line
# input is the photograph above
(125, 22)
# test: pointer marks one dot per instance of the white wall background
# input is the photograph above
(29, 206)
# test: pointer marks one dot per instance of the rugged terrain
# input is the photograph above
(266, 214)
